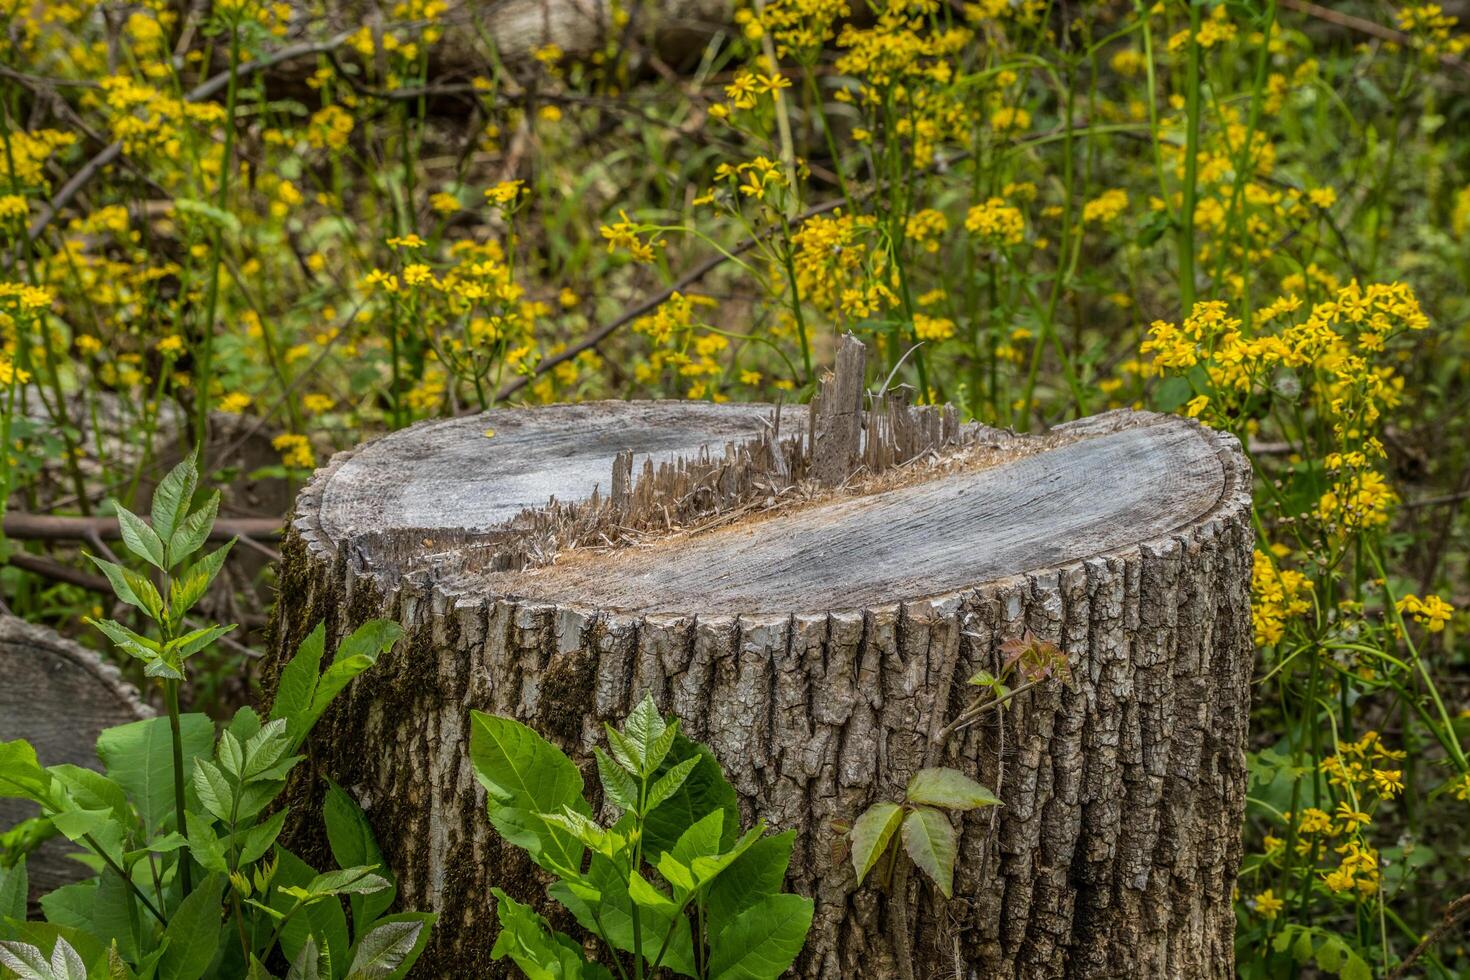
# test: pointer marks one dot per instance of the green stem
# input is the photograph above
(1191, 166)
(171, 696)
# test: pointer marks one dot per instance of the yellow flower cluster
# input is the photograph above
(623, 236)
(798, 27)
(1359, 767)
(1431, 612)
(1105, 208)
(839, 269)
(295, 450)
(1278, 595)
(996, 222)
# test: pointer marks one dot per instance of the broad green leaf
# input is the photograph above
(21, 775)
(703, 791)
(617, 785)
(763, 941)
(91, 790)
(193, 531)
(1355, 968)
(644, 895)
(352, 843)
(702, 839)
(540, 953)
(759, 872)
(929, 838)
(384, 949)
(524, 775)
(71, 905)
(76, 824)
(949, 788)
(231, 754)
(27, 961)
(707, 868)
(870, 835)
(113, 915)
(645, 739)
(172, 496)
(140, 538)
(615, 912)
(193, 932)
(265, 748)
(139, 757)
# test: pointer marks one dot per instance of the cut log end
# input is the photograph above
(807, 592)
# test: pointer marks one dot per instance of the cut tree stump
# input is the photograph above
(810, 603)
(58, 696)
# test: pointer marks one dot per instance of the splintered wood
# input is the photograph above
(845, 442)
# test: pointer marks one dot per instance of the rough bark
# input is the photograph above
(819, 646)
(58, 696)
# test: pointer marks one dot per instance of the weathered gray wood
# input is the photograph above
(818, 640)
(58, 696)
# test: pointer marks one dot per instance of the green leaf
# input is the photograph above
(426, 921)
(259, 839)
(929, 838)
(21, 775)
(193, 932)
(759, 872)
(352, 843)
(298, 682)
(644, 895)
(385, 948)
(617, 785)
(13, 888)
(763, 941)
(193, 531)
(323, 919)
(870, 835)
(133, 644)
(71, 905)
(347, 881)
(540, 953)
(76, 824)
(645, 739)
(214, 790)
(1355, 968)
(306, 966)
(131, 587)
(949, 788)
(702, 792)
(139, 757)
(702, 839)
(204, 843)
(189, 588)
(172, 496)
(355, 654)
(113, 918)
(184, 647)
(140, 538)
(668, 784)
(524, 776)
(614, 910)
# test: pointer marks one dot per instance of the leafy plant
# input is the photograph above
(672, 882)
(187, 879)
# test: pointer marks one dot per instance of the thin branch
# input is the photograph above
(45, 527)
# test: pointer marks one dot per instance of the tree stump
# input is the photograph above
(59, 696)
(810, 603)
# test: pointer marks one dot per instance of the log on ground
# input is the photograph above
(817, 632)
(58, 696)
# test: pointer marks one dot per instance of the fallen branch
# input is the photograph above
(44, 527)
(1457, 910)
(1369, 27)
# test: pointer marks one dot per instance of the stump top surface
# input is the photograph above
(450, 475)
(1095, 487)
(1088, 496)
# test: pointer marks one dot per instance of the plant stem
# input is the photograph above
(171, 696)
(1191, 166)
